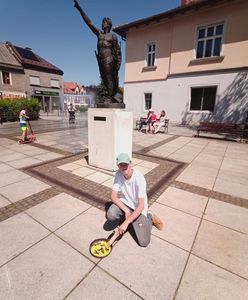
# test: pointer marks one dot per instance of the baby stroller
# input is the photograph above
(31, 137)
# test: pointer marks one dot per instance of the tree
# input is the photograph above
(102, 93)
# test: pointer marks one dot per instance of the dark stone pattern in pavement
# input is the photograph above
(211, 194)
(40, 146)
(24, 204)
(156, 145)
(158, 179)
(98, 194)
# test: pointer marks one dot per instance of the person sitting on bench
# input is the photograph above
(159, 124)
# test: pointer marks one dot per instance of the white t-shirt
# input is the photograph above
(22, 116)
(131, 189)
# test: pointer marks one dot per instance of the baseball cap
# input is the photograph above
(123, 158)
(151, 110)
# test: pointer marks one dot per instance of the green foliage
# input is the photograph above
(102, 93)
(10, 108)
(82, 108)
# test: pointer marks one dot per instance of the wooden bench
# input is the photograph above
(143, 120)
(221, 128)
(165, 126)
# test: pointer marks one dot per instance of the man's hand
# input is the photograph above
(123, 227)
(76, 4)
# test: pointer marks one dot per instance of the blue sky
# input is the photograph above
(55, 30)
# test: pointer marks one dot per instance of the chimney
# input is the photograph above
(27, 48)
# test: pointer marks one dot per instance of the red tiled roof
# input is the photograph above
(70, 87)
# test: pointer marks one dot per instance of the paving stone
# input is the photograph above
(109, 183)
(12, 177)
(224, 247)
(79, 234)
(203, 280)
(12, 156)
(179, 228)
(109, 288)
(5, 168)
(183, 200)
(142, 169)
(83, 171)
(48, 156)
(156, 280)
(230, 187)
(228, 215)
(17, 234)
(98, 177)
(69, 167)
(48, 270)
(147, 164)
(24, 162)
(22, 189)
(3, 201)
(58, 210)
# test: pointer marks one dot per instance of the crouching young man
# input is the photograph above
(129, 202)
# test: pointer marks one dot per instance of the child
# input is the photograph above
(152, 118)
(23, 124)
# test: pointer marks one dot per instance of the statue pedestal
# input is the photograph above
(110, 133)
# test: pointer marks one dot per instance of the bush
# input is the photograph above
(82, 108)
(10, 109)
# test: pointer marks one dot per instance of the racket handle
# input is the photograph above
(114, 237)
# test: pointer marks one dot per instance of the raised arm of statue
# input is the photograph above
(86, 19)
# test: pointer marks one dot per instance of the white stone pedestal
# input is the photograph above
(110, 132)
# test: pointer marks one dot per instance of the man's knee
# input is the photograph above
(144, 242)
(113, 213)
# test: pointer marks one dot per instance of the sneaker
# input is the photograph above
(157, 222)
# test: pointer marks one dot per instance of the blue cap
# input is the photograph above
(123, 158)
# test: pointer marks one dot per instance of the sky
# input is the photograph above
(55, 30)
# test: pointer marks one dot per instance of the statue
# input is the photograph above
(108, 56)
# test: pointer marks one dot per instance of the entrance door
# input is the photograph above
(47, 104)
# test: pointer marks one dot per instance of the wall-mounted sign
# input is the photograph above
(45, 93)
(11, 95)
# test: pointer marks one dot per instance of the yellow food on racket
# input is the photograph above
(100, 248)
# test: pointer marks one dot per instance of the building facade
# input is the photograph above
(41, 79)
(12, 77)
(191, 62)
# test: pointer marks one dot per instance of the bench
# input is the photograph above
(221, 128)
(143, 121)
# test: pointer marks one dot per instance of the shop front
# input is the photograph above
(49, 101)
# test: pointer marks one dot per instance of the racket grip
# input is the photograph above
(114, 237)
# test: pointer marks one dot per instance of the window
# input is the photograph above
(34, 80)
(209, 40)
(6, 77)
(55, 83)
(203, 98)
(150, 59)
(148, 101)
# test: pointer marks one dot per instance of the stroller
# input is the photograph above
(30, 138)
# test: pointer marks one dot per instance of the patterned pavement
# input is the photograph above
(51, 199)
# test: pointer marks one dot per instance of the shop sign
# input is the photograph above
(46, 93)
(11, 95)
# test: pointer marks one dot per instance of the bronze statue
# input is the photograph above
(108, 56)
